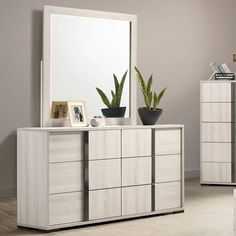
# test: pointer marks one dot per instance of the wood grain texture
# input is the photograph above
(167, 141)
(216, 172)
(66, 177)
(136, 199)
(167, 168)
(32, 178)
(65, 208)
(136, 142)
(216, 152)
(104, 174)
(65, 147)
(136, 171)
(167, 195)
(104, 144)
(104, 203)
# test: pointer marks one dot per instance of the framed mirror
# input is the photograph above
(81, 51)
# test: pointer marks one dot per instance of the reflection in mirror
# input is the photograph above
(84, 54)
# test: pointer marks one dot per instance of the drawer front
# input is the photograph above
(167, 195)
(104, 174)
(136, 171)
(65, 208)
(104, 144)
(167, 142)
(65, 147)
(65, 177)
(216, 152)
(216, 112)
(167, 168)
(136, 199)
(104, 203)
(216, 92)
(136, 142)
(216, 132)
(216, 172)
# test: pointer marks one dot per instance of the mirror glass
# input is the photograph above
(84, 54)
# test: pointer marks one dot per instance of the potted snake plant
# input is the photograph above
(113, 106)
(150, 113)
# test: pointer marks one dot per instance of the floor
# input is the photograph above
(208, 211)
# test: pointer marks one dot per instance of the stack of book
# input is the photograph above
(221, 72)
(224, 76)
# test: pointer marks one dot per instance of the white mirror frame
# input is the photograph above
(45, 105)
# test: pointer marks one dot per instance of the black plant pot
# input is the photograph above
(114, 112)
(149, 117)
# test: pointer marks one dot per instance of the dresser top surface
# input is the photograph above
(217, 81)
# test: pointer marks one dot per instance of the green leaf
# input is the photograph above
(113, 102)
(155, 101)
(120, 90)
(160, 96)
(149, 84)
(149, 100)
(104, 98)
(116, 82)
(141, 80)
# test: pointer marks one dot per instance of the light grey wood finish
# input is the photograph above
(167, 168)
(167, 195)
(104, 203)
(216, 92)
(65, 147)
(67, 207)
(136, 171)
(167, 141)
(136, 199)
(104, 144)
(66, 177)
(136, 143)
(216, 152)
(216, 112)
(32, 178)
(216, 172)
(216, 132)
(104, 174)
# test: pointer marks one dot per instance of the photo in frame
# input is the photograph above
(59, 110)
(77, 113)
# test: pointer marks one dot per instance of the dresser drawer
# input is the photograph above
(136, 171)
(216, 152)
(65, 147)
(104, 144)
(216, 92)
(136, 199)
(104, 174)
(65, 177)
(167, 141)
(65, 208)
(167, 195)
(104, 203)
(216, 172)
(136, 142)
(167, 168)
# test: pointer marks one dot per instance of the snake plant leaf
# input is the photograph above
(155, 101)
(116, 82)
(141, 80)
(149, 100)
(120, 89)
(160, 96)
(113, 101)
(149, 84)
(104, 98)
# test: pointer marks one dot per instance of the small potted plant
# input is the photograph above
(113, 107)
(149, 114)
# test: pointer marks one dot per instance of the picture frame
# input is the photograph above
(77, 113)
(59, 110)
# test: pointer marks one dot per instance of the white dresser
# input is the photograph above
(218, 132)
(76, 176)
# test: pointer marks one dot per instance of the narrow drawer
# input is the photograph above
(65, 208)
(216, 172)
(216, 132)
(65, 147)
(104, 144)
(167, 195)
(167, 168)
(136, 142)
(136, 199)
(216, 152)
(136, 171)
(104, 203)
(65, 177)
(216, 92)
(104, 174)
(167, 141)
